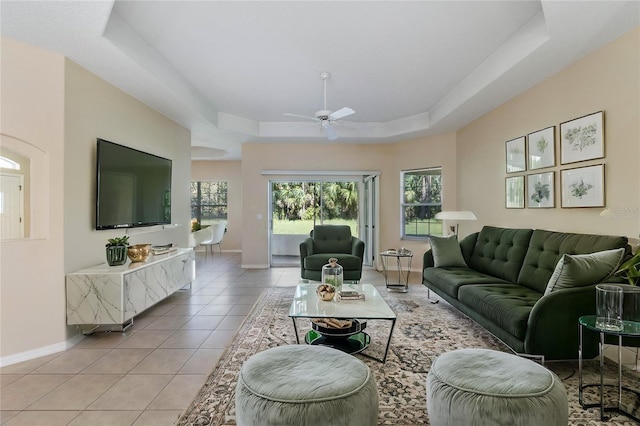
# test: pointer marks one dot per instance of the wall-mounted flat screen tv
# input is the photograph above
(133, 187)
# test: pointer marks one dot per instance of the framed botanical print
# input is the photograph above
(516, 158)
(541, 148)
(514, 192)
(582, 139)
(583, 186)
(541, 190)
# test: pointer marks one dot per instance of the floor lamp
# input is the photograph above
(456, 216)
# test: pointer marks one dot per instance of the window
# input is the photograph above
(208, 202)
(421, 200)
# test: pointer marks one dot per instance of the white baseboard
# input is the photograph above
(43, 351)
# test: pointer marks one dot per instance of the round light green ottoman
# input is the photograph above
(485, 387)
(305, 385)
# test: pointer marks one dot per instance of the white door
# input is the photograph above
(11, 207)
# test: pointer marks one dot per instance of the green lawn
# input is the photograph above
(423, 227)
(303, 227)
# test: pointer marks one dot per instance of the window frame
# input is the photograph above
(434, 207)
(222, 201)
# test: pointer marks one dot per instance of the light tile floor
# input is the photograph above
(149, 374)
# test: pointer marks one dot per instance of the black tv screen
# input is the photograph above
(133, 187)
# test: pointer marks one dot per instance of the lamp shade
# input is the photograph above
(456, 215)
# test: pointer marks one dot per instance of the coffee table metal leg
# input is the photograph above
(386, 351)
(295, 329)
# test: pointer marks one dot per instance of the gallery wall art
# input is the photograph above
(580, 140)
(541, 190)
(583, 186)
(516, 157)
(541, 148)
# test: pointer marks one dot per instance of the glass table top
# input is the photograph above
(629, 328)
(306, 304)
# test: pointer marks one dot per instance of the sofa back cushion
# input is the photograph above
(500, 252)
(547, 247)
(331, 239)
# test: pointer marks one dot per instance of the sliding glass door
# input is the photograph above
(297, 206)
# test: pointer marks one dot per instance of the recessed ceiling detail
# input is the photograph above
(229, 70)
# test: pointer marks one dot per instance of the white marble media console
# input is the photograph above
(113, 295)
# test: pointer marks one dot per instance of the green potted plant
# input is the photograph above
(116, 249)
(630, 270)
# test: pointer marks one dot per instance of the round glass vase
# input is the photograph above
(609, 307)
(333, 276)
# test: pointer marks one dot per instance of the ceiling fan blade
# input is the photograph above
(331, 133)
(342, 112)
(306, 117)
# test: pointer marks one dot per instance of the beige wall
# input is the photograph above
(607, 80)
(389, 159)
(230, 172)
(56, 110)
(96, 109)
(32, 304)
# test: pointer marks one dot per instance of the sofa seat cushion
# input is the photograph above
(506, 305)
(449, 280)
(317, 261)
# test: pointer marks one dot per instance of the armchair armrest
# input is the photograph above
(306, 247)
(357, 247)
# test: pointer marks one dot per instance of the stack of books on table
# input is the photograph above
(351, 295)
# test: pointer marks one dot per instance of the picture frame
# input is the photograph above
(514, 192)
(541, 148)
(516, 155)
(541, 190)
(582, 138)
(583, 187)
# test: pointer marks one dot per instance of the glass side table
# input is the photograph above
(629, 329)
(397, 256)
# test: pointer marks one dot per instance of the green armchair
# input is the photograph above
(325, 242)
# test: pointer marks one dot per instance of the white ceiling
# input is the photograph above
(228, 70)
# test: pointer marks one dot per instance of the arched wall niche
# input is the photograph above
(36, 191)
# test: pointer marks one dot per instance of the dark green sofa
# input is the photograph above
(502, 288)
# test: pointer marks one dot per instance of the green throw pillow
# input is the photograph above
(446, 251)
(584, 269)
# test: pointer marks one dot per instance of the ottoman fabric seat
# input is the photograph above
(485, 387)
(305, 385)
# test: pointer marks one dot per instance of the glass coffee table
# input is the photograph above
(306, 304)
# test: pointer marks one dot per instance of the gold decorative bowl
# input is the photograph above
(326, 292)
(139, 252)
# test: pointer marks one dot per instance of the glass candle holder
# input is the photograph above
(333, 276)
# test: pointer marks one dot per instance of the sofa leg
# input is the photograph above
(434, 301)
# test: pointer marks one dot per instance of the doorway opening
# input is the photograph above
(298, 205)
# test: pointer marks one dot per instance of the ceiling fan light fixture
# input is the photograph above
(325, 116)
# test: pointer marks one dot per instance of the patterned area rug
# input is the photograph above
(423, 331)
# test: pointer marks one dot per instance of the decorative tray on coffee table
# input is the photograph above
(350, 339)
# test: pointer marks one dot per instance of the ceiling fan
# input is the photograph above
(326, 117)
